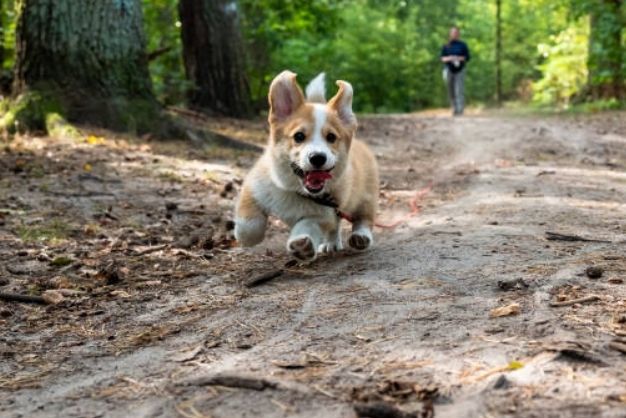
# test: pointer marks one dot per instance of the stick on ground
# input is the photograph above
(380, 410)
(15, 297)
(232, 381)
(150, 250)
(590, 298)
(263, 278)
(555, 236)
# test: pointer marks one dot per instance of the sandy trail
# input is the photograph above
(407, 323)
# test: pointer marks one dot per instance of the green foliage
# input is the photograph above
(389, 50)
(162, 29)
(379, 46)
(57, 126)
(284, 34)
(8, 20)
(607, 45)
(564, 70)
(379, 60)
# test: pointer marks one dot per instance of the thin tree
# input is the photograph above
(82, 61)
(499, 51)
(213, 56)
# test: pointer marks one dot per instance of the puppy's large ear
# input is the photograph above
(285, 96)
(342, 104)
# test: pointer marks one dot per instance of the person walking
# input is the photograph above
(455, 55)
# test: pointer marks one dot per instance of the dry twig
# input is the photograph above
(15, 297)
(232, 381)
(151, 250)
(590, 298)
(555, 236)
(263, 278)
(381, 410)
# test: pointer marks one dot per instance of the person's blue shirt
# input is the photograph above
(456, 47)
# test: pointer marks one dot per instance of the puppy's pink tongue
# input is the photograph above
(316, 179)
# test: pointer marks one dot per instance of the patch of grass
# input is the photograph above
(171, 177)
(29, 112)
(535, 109)
(211, 176)
(57, 126)
(37, 171)
(53, 231)
(61, 261)
(598, 106)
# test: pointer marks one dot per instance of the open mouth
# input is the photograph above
(314, 181)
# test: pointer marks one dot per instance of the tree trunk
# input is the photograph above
(606, 54)
(213, 56)
(84, 60)
(499, 51)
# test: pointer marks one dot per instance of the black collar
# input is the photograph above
(325, 200)
(297, 170)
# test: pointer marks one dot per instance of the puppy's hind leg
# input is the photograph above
(304, 240)
(250, 220)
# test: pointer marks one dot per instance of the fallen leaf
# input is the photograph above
(508, 310)
(120, 293)
(52, 297)
(94, 140)
(289, 364)
(515, 365)
(87, 167)
(188, 355)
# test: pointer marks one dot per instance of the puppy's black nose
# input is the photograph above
(317, 160)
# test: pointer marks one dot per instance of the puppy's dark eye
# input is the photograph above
(299, 137)
(331, 137)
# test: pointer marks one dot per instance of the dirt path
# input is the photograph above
(160, 314)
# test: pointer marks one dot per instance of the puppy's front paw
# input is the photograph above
(302, 248)
(359, 242)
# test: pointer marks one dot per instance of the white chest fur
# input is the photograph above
(288, 205)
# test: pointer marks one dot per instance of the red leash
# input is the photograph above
(414, 206)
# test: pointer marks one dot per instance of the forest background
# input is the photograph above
(219, 56)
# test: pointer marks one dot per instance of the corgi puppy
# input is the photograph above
(313, 170)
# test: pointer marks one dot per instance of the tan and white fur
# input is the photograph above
(315, 136)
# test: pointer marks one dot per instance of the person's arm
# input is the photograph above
(467, 53)
(444, 55)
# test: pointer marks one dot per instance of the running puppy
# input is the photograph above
(312, 171)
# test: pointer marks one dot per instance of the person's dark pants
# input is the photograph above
(456, 85)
